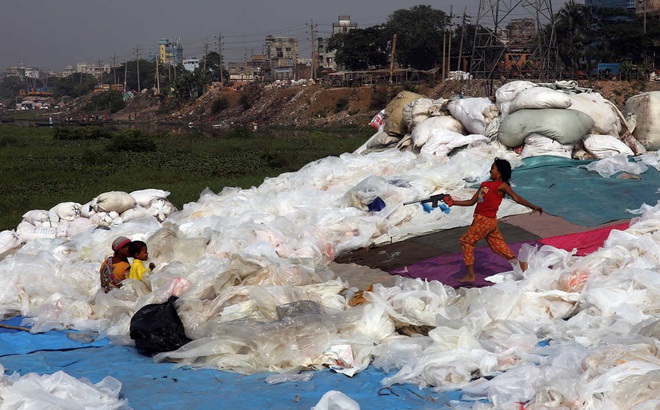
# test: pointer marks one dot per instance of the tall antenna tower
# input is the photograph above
(514, 39)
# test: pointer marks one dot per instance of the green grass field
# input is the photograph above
(39, 171)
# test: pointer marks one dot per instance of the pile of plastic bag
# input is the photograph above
(534, 119)
(251, 269)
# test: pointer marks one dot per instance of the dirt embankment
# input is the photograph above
(324, 106)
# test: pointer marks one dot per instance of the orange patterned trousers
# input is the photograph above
(484, 227)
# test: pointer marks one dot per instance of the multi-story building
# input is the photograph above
(282, 52)
(97, 70)
(326, 58)
(170, 52)
(343, 25)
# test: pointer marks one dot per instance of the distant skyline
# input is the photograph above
(52, 35)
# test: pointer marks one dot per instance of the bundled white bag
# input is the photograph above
(475, 113)
(161, 209)
(508, 92)
(441, 142)
(144, 197)
(8, 240)
(601, 146)
(67, 211)
(39, 217)
(421, 133)
(419, 110)
(539, 97)
(27, 232)
(117, 201)
(646, 107)
(563, 125)
(606, 120)
(536, 145)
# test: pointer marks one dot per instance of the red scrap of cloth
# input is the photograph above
(585, 242)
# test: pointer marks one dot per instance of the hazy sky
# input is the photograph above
(52, 34)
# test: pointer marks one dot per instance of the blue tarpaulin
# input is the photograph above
(563, 188)
(150, 385)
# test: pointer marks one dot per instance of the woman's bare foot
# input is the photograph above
(469, 275)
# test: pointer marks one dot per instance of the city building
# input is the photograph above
(191, 64)
(97, 70)
(170, 52)
(611, 4)
(282, 52)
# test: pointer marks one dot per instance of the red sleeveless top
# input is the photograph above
(489, 199)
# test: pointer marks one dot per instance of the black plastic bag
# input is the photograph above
(157, 328)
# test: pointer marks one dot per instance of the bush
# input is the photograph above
(219, 104)
(341, 105)
(240, 132)
(132, 141)
(379, 97)
(82, 133)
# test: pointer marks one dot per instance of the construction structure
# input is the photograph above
(522, 48)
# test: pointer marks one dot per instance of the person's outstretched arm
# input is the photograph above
(449, 200)
(522, 201)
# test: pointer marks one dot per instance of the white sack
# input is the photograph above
(441, 141)
(117, 201)
(601, 146)
(606, 120)
(422, 108)
(539, 97)
(27, 232)
(380, 139)
(536, 145)
(336, 400)
(67, 211)
(144, 197)
(475, 113)
(508, 92)
(161, 209)
(86, 210)
(134, 213)
(8, 240)
(422, 132)
(38, 217)
(563, 125)
(646, 107)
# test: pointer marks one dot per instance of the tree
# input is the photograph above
(112, 100)
(189, 85)
(419, 33)
(360, 49)
(573, 33)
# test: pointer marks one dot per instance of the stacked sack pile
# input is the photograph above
(559, 119)
(69, 219)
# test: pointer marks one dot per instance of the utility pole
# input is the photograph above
(313, 35)
(460, 47)
(137, 63)
(392, 57)
(444, 53)
(222, 78)
(451, 26)
(157, 74)
(125, 74)
(206, 53)
(245, 66)
(114, 68)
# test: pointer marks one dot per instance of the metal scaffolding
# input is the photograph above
(514, 39)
